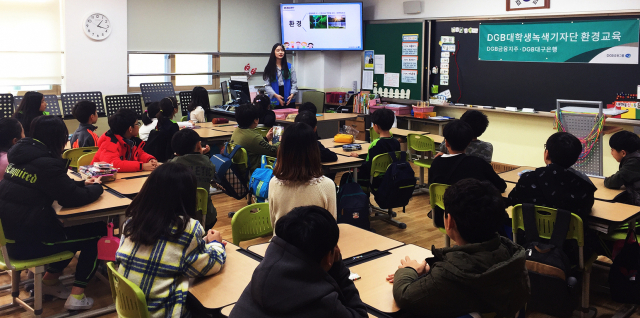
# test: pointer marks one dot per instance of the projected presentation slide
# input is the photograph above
(322, 26)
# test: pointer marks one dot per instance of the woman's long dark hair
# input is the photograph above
(29, 109)
(51, 131)
(271, 70)
(199, 97)
(167, 199)
(10, 128)
(152, 111)
(298, 154)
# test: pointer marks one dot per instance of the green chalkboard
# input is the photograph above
(386, 38)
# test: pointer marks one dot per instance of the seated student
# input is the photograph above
(31, 106)
(485, 273)
(246, 136)
(310, 119)
(149, 120)
(267, 116)
(479, 123)
(10, 132)
(382, 120)
(302, 273)
(120, 146)
(308, 106)
(163, 246)
(297, 177)
(625, 148)
(189, 152)
(557, 185)
(35, 177)
(86, 112)
(159, 142)
(199, 102)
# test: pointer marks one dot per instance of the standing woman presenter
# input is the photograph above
(280, 79)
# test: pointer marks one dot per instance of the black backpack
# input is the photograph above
(548, 266)
(353, 204)
(159, 145)
(624, 280)
(397, 185)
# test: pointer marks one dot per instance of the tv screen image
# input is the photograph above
(322, 26)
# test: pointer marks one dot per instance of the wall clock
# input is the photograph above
(97, 27)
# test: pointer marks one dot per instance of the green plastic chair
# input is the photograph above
(37, 266)
(247, 225)
(379, 166)
(86, 159)
(74, 154)
(421, 143)
(202, 195)
(128, 297)
(184, 118)
(270, 161)
(545, 219)
(263, 130)
(436, 199)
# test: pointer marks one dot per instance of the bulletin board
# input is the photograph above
(387, 39)
(525, 84)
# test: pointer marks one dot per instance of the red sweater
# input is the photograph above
(124, 157)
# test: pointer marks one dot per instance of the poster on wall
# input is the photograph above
(598, 42)
(410, 62)
(367, 79)
(368, 60)
(410, 37)
(409, 76)
(391, 80)
(378, 61)
(527, 4)
(410, 48)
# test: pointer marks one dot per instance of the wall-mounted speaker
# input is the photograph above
(412, 7)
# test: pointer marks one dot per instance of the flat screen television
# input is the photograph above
(322, 26)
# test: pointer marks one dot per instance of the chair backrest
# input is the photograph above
(241, 158)
(270, 161)
(419, 142)
(373, 135)
(74, 154)
(184, 118)
(247, 225)
(85, 160)
(128, 297)
(5, 263)
(263, 131)
(436, 198)
(546, 219)
(380, 163)
(202, 195)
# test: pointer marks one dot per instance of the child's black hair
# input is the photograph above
(477, 120)
(185, 141)
(307, 117)
(10, 129)
(199, 97)
(51, 131)
(29, 109)
(167, 199)
(458, 134)
(625, 140)
(384, 118)
(308, 106)
(152, 111)
(120, 122)
(477, 208)
(311, 229)
(246, 114)
(82, 110)
(262, 102)
(564, 149)
(167, 106)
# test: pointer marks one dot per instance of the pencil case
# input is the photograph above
(343, 138)
(351, 147)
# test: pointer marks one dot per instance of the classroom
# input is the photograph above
(153, 112)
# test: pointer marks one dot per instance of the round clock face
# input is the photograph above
(97, 26)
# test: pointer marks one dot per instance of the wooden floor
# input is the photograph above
(419, 231)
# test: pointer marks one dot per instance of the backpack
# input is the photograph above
(353, 204)
(259, 183)
(623, 275)
(228, 177)
(548, 266)
(159, 145)
(397, 185)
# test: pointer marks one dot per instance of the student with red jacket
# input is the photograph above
(121, 147)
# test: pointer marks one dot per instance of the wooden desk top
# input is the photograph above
(210, 133)
(512, 176)
(614, 212)
(226, 311)
(343, 160)
(361, 152)
(127, 186)
(436, 138)
(106, 201)
(374, 289)
(405, 132)
(210, 125)
(353, 241)
(225, 287)
(132, 175)
(510, 187)
(225, 128)
(337, 116)
(329, 143)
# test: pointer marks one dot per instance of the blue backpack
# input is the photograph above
(228, 177)
(353, 205)
(397, 185)
(260, 178)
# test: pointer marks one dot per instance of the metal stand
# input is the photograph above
(115, 102)
(6, 105)
(52, 104)
(185, 100)
(71, 99)
(154, 92)
(580, 125)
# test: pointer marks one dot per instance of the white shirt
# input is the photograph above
(146, 129)
(197, 115)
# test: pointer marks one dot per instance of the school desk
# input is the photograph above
(373, 287)
(133, 175)
(405, 132)
(211, 125)
(440, 122)
(361, 152)
(353, 242)
(226, 311)
(344, 163)
(126, 186)
(510, 187)
(108, 204)
(513, 175)
(436, 138)
(225, 287)
(213, 135)
(225, 128)
(329, 143)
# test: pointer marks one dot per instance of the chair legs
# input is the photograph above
(387, 216)
(37, 293)
(586, 284)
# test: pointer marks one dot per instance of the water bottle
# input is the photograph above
(340, 100)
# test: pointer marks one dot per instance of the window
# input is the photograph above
(148, 64)
(193, 63)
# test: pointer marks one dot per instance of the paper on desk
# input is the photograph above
(391, 79)
(367, 79)
(378, 64)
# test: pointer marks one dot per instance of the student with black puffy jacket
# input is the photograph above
(36, 177)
